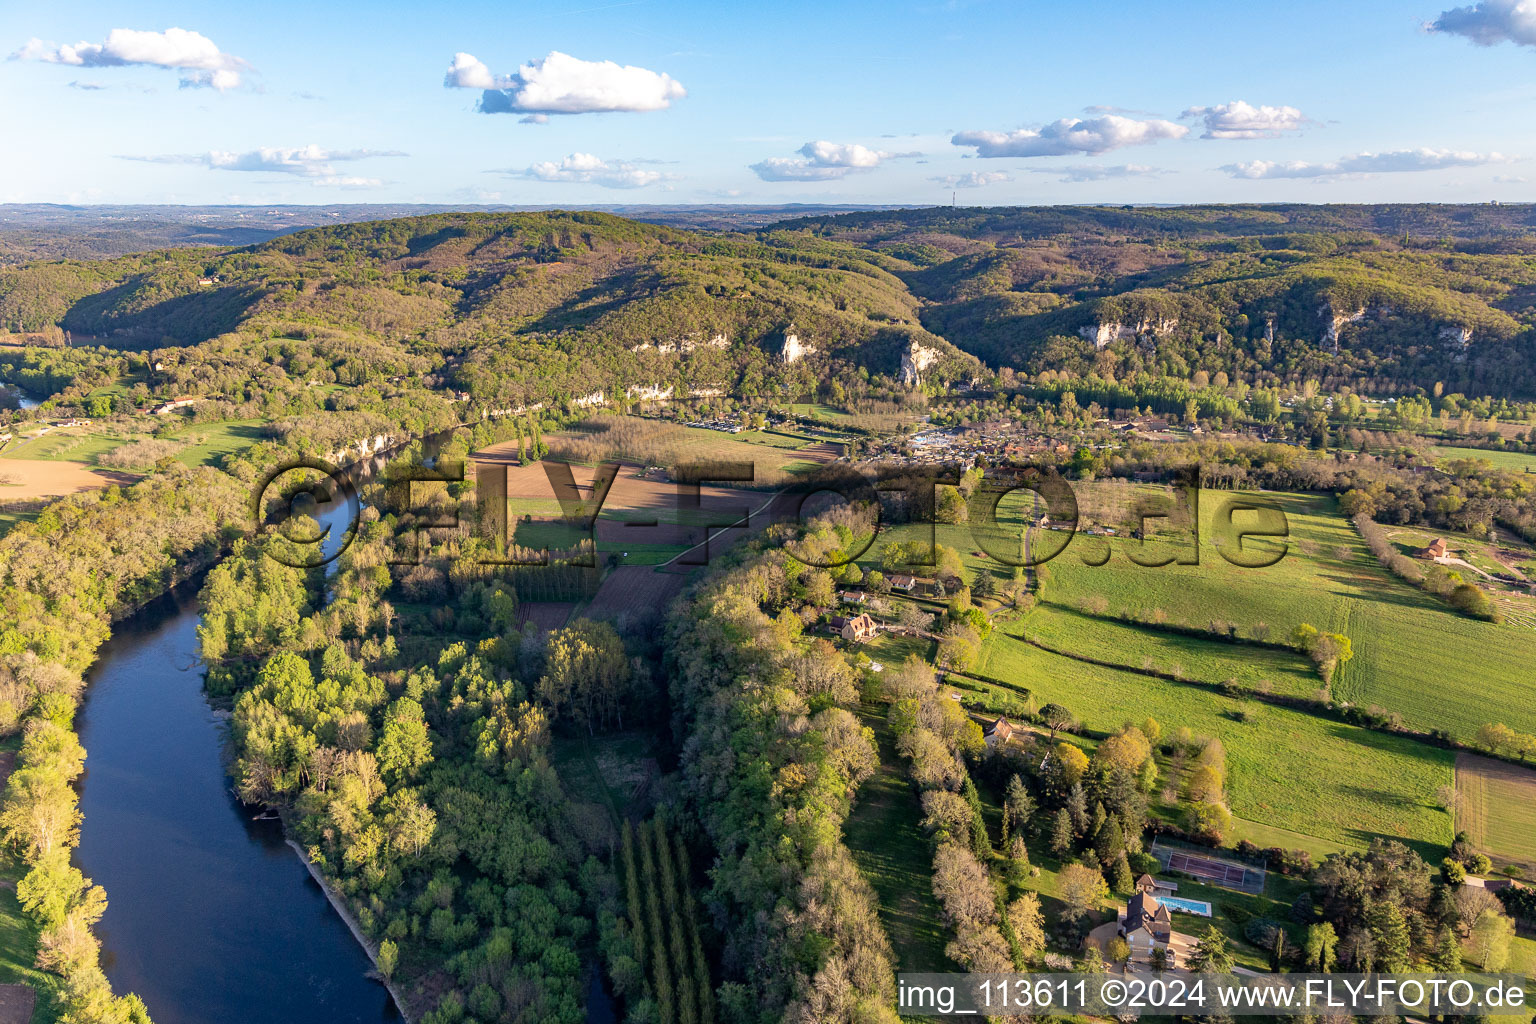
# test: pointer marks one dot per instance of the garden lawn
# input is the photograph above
(1286, 768)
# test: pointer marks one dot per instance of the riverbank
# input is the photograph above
(356, 929)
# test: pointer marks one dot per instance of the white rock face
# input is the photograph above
(587, 401)
(360, 449)
(917, 358)
(794, 349)
(1461, 337)
(1101, 335)
(648, 392)
(1146, 329)
(1336, 321)
(682, 347)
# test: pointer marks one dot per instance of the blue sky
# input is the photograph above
(325, 102)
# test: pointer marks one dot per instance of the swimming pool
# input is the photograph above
(1186, 906)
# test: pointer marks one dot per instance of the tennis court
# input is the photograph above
(1207, 866)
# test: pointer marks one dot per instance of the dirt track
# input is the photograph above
(39, 478)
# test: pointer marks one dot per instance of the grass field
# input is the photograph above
(1267, 836)
(1288, 769)
(771, 453)
(1496, 807)
(216, 440)
(1411, 653)
(819, 411)
(69, 444)
(1252, 666)
(555, 536)
(208, 443)
(888, 844)
(604, 771)
(1517, 461)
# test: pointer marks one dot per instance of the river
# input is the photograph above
(210, 917)
(8, 391)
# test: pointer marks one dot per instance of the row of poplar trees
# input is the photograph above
(664, 924)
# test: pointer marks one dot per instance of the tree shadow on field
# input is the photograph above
(1392, 744)
(1385, 592)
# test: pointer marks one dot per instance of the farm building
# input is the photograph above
(1437, 549)
(999, 732)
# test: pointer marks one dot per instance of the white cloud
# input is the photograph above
(822, 161)
(1071, 135)
(469, 72)
(1096, 172)
(1240, 120)
(586, 169)
(562, 84)
(975, 179)
(309, 162)
(1365, 163)
(1491, 22)
(201, 62)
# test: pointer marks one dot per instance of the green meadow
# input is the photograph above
(1519, 462)
(211, 442)
(885, 836)
(1266, 668)
(1288, 769)
(1412, 654)
(69, 444)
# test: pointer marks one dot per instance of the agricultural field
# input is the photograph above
(205, 443)
(1288, 769)
(1496, 807)
(773, 454)
(24, 479)
(1411, 652)
(640, 520)
(634, 591)
(1520, 462)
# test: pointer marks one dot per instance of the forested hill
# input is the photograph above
(1384, 298)
(517, 308)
